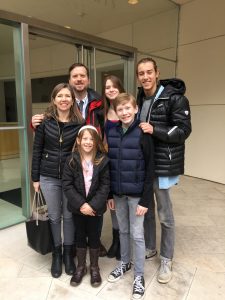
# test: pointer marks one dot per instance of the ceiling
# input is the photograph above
(89, 16)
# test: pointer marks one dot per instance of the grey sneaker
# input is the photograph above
(165, 271)
(138, 288)
(116, 274)
(150, 253)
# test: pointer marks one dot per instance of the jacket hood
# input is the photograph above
(173, 86)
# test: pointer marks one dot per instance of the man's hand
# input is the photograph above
(36, 120)
(146, 127)
(86, 209)
(141, 210)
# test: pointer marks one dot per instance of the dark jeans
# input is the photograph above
(87, 231)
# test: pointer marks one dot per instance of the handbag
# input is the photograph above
(39, 235)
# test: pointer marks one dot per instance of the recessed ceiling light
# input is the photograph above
(132, 1)
(67, 27)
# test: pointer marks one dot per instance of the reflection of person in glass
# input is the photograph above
(53, 142)
(89, 103)
(165, 114)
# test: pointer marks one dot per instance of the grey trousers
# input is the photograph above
(131, 229)
(166, 218)
(57, 211)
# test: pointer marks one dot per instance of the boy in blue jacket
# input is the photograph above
(131, 174)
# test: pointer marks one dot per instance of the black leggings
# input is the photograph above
(87, 231)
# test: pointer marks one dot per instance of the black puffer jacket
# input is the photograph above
(171, 119)
(74, 186)
(49, 154)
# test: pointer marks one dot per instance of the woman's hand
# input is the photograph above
(36, 186)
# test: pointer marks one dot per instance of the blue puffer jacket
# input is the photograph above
(127, 165)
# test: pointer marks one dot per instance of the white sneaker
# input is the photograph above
(165, 271)
(150, 254)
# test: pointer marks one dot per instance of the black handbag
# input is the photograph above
(39, 235)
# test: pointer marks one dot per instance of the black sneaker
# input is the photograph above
(116, 274)
(138, 288)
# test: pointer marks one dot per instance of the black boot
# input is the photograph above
(56, 268)
(68, 259)
(81, 267)
(113, 250)
(96, 279)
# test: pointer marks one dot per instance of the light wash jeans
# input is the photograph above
(131, 229)
(166, 218)
(57, 208)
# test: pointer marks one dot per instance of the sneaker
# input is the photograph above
(116, 274)
(150, 253)
(138, 288)
(165, 271)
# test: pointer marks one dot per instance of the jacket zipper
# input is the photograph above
(60, 149)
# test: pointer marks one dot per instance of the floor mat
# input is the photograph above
(13, 196)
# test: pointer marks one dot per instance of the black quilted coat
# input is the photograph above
(171, 118)
(50, 148)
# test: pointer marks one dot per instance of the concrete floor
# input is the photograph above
(198, 269)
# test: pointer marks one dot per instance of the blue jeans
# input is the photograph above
(131, 228)
(166, 218)
(57, 207)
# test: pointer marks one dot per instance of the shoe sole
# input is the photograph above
(164, 281)
(151, 257)
(142, 297)
(118, 278)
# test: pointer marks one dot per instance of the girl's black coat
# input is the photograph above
(74, 188)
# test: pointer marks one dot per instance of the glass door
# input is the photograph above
(13, 154)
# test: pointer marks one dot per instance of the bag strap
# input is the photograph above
(37, 202)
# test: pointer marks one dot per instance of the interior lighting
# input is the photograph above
(132, 1)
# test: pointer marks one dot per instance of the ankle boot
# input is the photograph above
(56, 268)
(81, 269)
(96, 279)
(68, 259)
(113, 250)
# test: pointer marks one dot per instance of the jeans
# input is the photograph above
(115, 224)
(131, 228)
(166, 218)
(57, 207)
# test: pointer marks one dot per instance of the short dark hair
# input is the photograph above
(145, 60)
(76, 65)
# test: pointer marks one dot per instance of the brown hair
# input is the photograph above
(98, 147)
(51, 111)
(117, 84)
(76, 65)
(124, 98)
(146, 60)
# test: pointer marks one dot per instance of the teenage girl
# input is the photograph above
(86, 185)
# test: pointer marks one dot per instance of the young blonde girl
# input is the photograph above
(86, 186)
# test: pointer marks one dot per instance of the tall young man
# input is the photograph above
(165, 114)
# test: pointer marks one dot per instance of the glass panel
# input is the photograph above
(49, 63)
(12, 200)
(109, 64)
